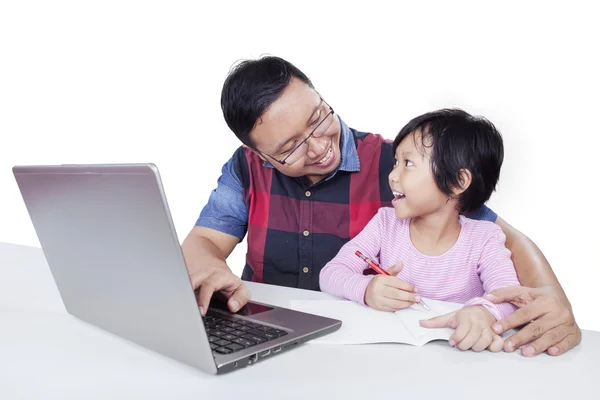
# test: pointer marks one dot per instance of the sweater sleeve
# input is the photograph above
(496, 270)
(343, 275)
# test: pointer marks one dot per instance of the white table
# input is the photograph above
(47, 354)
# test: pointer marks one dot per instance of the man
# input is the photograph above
(303, 183)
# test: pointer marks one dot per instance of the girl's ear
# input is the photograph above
(465, 179)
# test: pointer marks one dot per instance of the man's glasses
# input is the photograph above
(300, 150)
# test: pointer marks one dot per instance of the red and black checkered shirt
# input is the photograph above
(294, 228)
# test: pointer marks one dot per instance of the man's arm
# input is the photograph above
(222, 224)
(543, 304)
(530, 263)
(205, 251)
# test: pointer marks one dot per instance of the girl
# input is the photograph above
(447, 164)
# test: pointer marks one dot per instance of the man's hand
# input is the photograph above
(472, 329)
(390, 293)
(205, 251)
(212, 280)
(550, 321)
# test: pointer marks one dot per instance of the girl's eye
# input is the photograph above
(395, 163)
(408, 163)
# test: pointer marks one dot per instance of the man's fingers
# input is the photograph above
(566, 344)
(239, 298)
(506, 294)
(212, 284)
(196, 280)
(545, 328)
(205, 293)
(551, 325)
(442, 321)
(519, 317)
(548, 339)
(497, 344)
(517, 295)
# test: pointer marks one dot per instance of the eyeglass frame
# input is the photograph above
(283, 162)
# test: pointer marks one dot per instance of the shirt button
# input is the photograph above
(307, 193)
(305, 270)
(306, 233)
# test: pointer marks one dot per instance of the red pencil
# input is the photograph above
(372, 264)
(380, 270)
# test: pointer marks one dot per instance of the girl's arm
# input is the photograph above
(496, 270)
(343, 276)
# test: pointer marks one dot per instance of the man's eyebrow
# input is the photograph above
(280, 145)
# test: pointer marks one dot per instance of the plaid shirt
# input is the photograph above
(294, 228)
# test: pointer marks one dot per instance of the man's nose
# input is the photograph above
(316, 147)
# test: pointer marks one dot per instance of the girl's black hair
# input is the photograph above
(458, 140)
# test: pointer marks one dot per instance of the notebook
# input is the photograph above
(363, 324)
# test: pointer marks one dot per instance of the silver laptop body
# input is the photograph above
(110, 243)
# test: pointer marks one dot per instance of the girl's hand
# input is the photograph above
(473, 329)
(390, 293)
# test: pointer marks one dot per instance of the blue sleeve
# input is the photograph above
(483, 214)
(226, 210)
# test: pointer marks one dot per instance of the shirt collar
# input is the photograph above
(350, 161)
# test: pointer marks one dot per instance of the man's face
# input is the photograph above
(290, 120)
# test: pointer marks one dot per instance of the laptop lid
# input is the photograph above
(109, 239)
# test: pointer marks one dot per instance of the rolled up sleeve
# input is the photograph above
(226, 210)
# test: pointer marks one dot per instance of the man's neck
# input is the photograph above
(314, 179)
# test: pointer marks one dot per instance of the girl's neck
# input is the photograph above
(435, 234)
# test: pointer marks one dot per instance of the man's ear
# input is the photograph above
(254, 151)
(465, 179)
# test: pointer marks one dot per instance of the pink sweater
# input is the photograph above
(478, 263)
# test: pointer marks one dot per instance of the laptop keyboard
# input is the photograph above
(228, 335)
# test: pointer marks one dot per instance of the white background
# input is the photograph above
(123, 81)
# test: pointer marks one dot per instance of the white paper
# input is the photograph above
(361, 324)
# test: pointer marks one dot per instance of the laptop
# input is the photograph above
(108, 237)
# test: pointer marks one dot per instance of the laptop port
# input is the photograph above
(264, 353)
(277, 349)
(253, 357)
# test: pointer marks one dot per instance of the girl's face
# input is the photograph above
(415, 191)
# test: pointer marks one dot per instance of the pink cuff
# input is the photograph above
(499, 311)
(361, 289)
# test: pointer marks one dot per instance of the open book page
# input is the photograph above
(411, 316)
(362, 324)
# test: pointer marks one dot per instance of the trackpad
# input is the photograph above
(248, 309)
